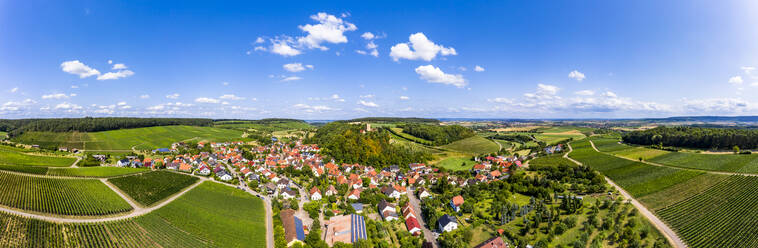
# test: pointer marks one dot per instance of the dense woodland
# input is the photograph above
(438, 135)
(346, 144)
(395, 119)
(695, 137)
(89, 124)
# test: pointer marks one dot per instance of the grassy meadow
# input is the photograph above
(473, 145)
(14, 156)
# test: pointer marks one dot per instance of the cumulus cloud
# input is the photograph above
(115, 75)
(368, 104)
(78, 68)
(367, 96)
(404, 98)
(231, 97)
(337, 98)
(15, 106)
(478, 69)
(291, 78)
(578, 76)
(118, 67)
(282, 47)
(173, 96)
(206, 100)
(68, 106)
(56, 96)
(585, 93)
(329, 29)
(14, 90)
(735, 80)
(368, 36)
(296, 67)
(311, 109)
(433, 74)
(419, 48)
(718, 106)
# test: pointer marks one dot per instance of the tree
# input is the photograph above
(736, 149)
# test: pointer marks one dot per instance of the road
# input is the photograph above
(670, 235)
(416, 205)
(78, 158)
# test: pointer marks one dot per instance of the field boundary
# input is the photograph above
(670, 235)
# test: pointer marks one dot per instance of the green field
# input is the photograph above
(269, 127)
(195, 219)
(20, 157)
(151, 187)
(94, 171)
(3, 135)
(59, 196)
(124, 139)
(455, 163)
(473, 145)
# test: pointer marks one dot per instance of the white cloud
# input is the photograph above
(173, 96)
(291, 78)
(423, 49)
(368, 36)
(718, 106)
(585, 93)
(115, 75)
(14, 90)
(500, 100)
(367, 96)
(435, 75)
(15, 106)
(609, 94)
(368, 104)
(68, 106)
(110, 61)
(311, 109)
(547, 89)
(748, 70)
(404, 98)
(329, 29)
(56, 96)
(478, 69)
(225, 83)
(74, 86)
(206, 100)
(578, 76)
(735, 80)
(118, 67)
(231, 97)
(282, 47)
(78, 68)
(144, 96)
(337, 98)
(259, 40)
(121, 103)
(296, 67)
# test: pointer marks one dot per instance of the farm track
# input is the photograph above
(670, 235)
(677, 167)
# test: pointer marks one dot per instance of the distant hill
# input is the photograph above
(90, 124)
(394, 119)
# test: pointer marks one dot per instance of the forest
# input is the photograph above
(395, 119)
(695, 137)
(90, 124)
(438, 135)
(346, 144)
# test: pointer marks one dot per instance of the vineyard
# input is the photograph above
(59, 196)
(94, 171)
(151, 187)
(194, 220)
(721, 216)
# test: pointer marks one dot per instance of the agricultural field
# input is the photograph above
(268, 127)
(25, 169)
(3, 135)
(60, 196)
(721, 216)
(399, 132)
(193, 220)
(473, 145)
(151, 187)
(20, 157)
(147, 138)
(97, 171)
(456, 163)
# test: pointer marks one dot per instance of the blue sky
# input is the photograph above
(478, 59)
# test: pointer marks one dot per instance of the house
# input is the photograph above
(293, 227)
(345, 228)
(331, 191)
(390, 192)
(224, 176)
(204, 170)
(186, 167)
(358, 207)
(495, 242)
(447, 223)
(123, 163)
(423, 193)
(288, 193)
(387, 210)
(408, 211)
(413, 226)
(161, 150)
(315, 194)
(354, 195)
(270, 188)
(456, 203)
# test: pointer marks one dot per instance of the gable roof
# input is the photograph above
(446, 219)
(458, 200)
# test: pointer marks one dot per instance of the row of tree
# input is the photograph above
(438, 135)
(695, 137)
(89, 124)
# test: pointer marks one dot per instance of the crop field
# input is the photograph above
(640, 152)
(17, 156)
(399, 132)
(639, 179)
(151, 187)
(413, 146)
(59, 196)
(93, 171)
(608, 144)
(196, 219)
(25, 169)
(456, 163)
(124, 139)
(473, 145)
(721, 216)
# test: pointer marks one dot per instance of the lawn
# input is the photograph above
(151, 187)
(457, 163)
(473, 145)
(147, 138)
(19, 157)
(94, 171)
